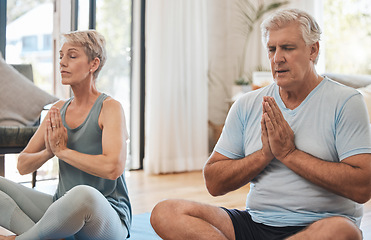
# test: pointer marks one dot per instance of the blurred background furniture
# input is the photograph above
(360, 82)
(13, 139)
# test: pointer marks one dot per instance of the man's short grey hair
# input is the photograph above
(310, 29)
(93, 42)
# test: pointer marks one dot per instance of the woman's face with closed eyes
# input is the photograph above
(74, 64)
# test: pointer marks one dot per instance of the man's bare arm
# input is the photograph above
(223, 175)
(350, 178)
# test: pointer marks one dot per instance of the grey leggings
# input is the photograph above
(82, 213)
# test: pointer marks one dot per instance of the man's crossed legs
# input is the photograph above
(182, 219)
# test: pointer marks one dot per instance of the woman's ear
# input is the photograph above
(94, 64)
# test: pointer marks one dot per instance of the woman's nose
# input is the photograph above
(62, 62)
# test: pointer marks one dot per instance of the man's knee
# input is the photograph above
(170, 212)
(164, 217)
(335, 228)
(164, 211)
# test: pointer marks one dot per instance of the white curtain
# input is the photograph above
(176, 86)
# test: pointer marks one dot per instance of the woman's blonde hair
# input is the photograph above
(93, 43)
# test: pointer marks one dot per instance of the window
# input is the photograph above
(347, 36)
(83, 14)
(47, 42)
(28, 40)
(29, 43)
(115, 76)
(112, 19)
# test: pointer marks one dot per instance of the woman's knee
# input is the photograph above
(6, 202)
(84, 195)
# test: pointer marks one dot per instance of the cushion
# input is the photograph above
(366, 92)
(21, 102)
(355, 81)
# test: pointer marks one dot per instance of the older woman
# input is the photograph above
(88, 135)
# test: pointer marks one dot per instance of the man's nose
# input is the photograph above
(278, 56)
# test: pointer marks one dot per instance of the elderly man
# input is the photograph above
(303, 143)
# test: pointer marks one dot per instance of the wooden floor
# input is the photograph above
(147, 190)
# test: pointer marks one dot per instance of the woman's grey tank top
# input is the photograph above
(87, 138)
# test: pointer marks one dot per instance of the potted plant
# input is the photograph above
(250, 14)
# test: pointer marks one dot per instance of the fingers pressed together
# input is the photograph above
(56, 133)
(275, 130)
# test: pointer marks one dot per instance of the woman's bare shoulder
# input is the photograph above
(112, 112)
(111, 104)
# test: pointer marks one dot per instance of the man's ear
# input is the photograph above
(314, 50)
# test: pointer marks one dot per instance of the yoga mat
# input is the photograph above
(141, 228)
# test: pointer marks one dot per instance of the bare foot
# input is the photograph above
(11, 237)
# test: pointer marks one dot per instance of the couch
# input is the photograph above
(355, 81)
(360, 82)
(21, 104)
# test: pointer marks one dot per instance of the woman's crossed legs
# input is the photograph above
(83, 212)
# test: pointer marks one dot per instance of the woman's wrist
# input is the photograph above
(61, 153)
(48, 153)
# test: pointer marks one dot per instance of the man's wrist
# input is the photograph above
(288, 156)
(266, 157)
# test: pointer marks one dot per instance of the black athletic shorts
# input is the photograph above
(246, 229)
